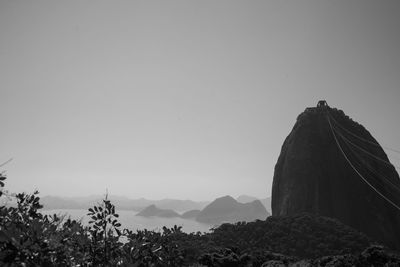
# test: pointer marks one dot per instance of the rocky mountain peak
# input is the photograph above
(321, 168)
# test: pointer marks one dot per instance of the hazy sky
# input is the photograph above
(183, 99)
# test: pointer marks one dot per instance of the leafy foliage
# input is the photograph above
(104, 233)
(29, 238)
(303, 236)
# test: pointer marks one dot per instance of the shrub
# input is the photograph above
(29, 238)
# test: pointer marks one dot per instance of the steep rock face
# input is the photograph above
(312, 175)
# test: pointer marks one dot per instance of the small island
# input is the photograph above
(152, 210)
(190, 214)
(227, 209)
(221, 210)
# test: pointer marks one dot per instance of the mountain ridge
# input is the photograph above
(152, 210)
(136, 204)
(227, 209)
(120, 202)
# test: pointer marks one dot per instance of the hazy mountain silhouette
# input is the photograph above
(191, 214)
(227, 209)
(125, 203)
(120, 202)
(223, 209)
(265, 201)
(52, 202)
(152, 210)
(180, 205)
(245, 198)
(267, 204)
(313, 175)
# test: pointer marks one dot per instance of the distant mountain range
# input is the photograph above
(191, 214)
(152, 210)
(223, 209)
(265, 201)
(227, 209)
(124, 203)
(121, 203)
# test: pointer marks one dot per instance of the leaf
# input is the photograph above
(118, 231)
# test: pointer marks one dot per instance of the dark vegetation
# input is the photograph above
(29, 238)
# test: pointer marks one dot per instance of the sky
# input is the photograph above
(183, 99)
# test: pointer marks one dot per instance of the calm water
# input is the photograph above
(130, 221)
